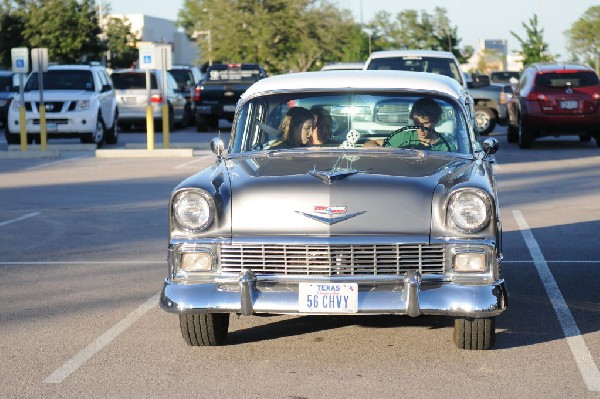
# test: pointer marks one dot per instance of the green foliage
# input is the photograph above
(412, 29)
(12, 22)
(584, 37)
(281, 35)
(120, 43)
(533, 47)
(68, 28)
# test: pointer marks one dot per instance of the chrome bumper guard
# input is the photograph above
(408, 294)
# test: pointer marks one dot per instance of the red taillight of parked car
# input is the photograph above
(156, 98)
(197, 94)
(535, 96)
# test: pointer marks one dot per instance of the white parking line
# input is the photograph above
(53, 163)
(29, 215)
(588, 369)
(203, 158)
(60, 374)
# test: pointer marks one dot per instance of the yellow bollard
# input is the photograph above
(165, 125)
(43, 136)
(23, 128)
(149, 128)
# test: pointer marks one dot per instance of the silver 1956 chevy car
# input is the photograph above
(350, 192)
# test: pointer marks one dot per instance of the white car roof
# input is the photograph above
(348, 79)
(409, 53)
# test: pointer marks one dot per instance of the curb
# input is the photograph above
(28, 154)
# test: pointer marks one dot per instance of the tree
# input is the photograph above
(68, 28)
(120, 43)
(533, 48)
(584, 37)
(12, 23)
(412, 29)
(281, 35)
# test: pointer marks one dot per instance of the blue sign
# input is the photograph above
(147, 59)
(20, 63)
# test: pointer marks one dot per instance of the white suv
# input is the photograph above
(79, 101)
(440, 62)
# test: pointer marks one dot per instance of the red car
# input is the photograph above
(555, 99)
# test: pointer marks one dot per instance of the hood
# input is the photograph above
(336, 194)
(59, 95)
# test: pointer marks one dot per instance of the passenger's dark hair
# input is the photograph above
(324, 124)
(427, 106)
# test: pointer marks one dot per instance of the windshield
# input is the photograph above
(132, 80)
(566, 79)
(62, 80)
(438, 65)
(350, 120)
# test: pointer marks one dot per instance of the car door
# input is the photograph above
(106, 97)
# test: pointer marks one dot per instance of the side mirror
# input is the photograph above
(106, 88)
(490, 146)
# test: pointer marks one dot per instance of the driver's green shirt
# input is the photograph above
(410, 139)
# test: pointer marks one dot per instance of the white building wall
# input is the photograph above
(159, 30)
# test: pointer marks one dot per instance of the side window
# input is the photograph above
(103, 79)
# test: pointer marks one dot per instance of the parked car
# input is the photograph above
(220, 90)
(9, 82)
(278, 226)
(438, 62)
(79, 103)
(336, 66)
(132, 97)
(187, 79)
(490, 102)
(506, 77)
(555, 99)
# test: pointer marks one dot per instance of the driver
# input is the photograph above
(425, 113)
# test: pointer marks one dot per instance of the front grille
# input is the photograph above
(333, 260)
(396, 113)
(58, 121)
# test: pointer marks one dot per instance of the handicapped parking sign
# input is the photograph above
(146, 57)
(20, 59)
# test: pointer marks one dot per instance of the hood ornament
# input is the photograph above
(329, 214)
(337, 172)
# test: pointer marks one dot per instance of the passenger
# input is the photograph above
(296, 127)
(322, 126)
(425, 113)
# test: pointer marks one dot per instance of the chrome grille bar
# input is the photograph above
(352, 259)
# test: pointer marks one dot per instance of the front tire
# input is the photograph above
(475, 334)
(97, 137)
(204, 329)
(112, 134)
(485, 120)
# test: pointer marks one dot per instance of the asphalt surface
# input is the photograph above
(82, 258)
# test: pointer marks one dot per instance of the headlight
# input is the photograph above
(193, 210)
(82, 105)
(469, 210)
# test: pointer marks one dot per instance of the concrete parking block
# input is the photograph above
(156, 153)
(29, 154)
(55, 147)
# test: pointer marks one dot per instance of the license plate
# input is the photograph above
(572, 104)
(51, 127)
(328, 298)
(229, 108)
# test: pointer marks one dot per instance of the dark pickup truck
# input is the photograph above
(217, 95)
(490, 102)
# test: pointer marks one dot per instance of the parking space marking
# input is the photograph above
(53, 163)
(60, 374)
(200, 159)
(588, 369)
(29, 215)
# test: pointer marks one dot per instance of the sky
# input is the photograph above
(475, 19)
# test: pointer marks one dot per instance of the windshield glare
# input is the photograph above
(62, 80)
(352, 120)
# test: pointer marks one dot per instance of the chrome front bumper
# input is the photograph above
(409, 294)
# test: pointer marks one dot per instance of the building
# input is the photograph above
(158, 30)
(492, 55)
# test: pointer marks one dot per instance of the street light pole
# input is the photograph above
(208, 34)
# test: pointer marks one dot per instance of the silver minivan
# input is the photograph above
(132, 97)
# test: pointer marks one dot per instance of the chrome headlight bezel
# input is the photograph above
(469, 210)
(192, 211)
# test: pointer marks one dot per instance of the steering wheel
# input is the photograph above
(386, 142)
